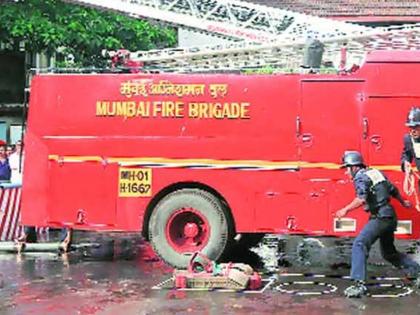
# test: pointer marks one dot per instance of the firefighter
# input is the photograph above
(373, 191)
(411, 151)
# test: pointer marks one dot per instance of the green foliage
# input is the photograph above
(54, 26)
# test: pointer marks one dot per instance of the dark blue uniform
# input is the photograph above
(376, 190)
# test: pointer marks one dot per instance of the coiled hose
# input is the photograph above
(410, 186)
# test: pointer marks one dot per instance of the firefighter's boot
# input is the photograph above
(357, 290)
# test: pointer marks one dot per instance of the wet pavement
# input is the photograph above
(120, 282)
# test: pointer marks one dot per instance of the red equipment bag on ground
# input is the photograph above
(202, 273)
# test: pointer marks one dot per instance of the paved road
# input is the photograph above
(79, 284)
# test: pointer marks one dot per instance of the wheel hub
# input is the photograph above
(191, 230)
(187, 230)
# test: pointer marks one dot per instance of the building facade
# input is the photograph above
(14, 67)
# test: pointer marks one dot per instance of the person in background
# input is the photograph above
(411, 153)
(9, 150)
(16, 163)
(411, 141)
(4, 165)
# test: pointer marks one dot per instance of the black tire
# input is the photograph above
(207, 206)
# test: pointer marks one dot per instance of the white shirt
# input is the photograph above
(16, 167)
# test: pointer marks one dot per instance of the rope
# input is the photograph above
(405, 291)
(409, 185)
(336, 276)
(330, 288)
(325, 287)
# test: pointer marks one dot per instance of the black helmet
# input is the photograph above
(413, 119)
(352, 158)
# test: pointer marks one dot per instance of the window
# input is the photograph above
(3, 131)
(15, 133)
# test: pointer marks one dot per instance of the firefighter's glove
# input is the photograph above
(341, 213)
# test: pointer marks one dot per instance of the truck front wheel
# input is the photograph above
(186, 221)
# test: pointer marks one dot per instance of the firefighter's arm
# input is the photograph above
(361, 186)
(407, 154)
(396, 194)
(356, 203)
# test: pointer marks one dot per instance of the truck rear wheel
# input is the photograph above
(186, 221)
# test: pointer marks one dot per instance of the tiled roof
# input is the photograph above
(343, 8)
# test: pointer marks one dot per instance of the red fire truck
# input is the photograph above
(193, 160)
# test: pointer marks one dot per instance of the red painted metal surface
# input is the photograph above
(275, 163)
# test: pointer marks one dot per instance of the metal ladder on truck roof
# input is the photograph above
(232, 19)
(262, 36)
(285, 57)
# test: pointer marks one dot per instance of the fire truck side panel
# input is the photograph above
(269, 145)
(35, 192)
(330, 116)
(330, 122)
(234, 152)
(70, 106)
(392, 90)
(94, 180)
(299, 202)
